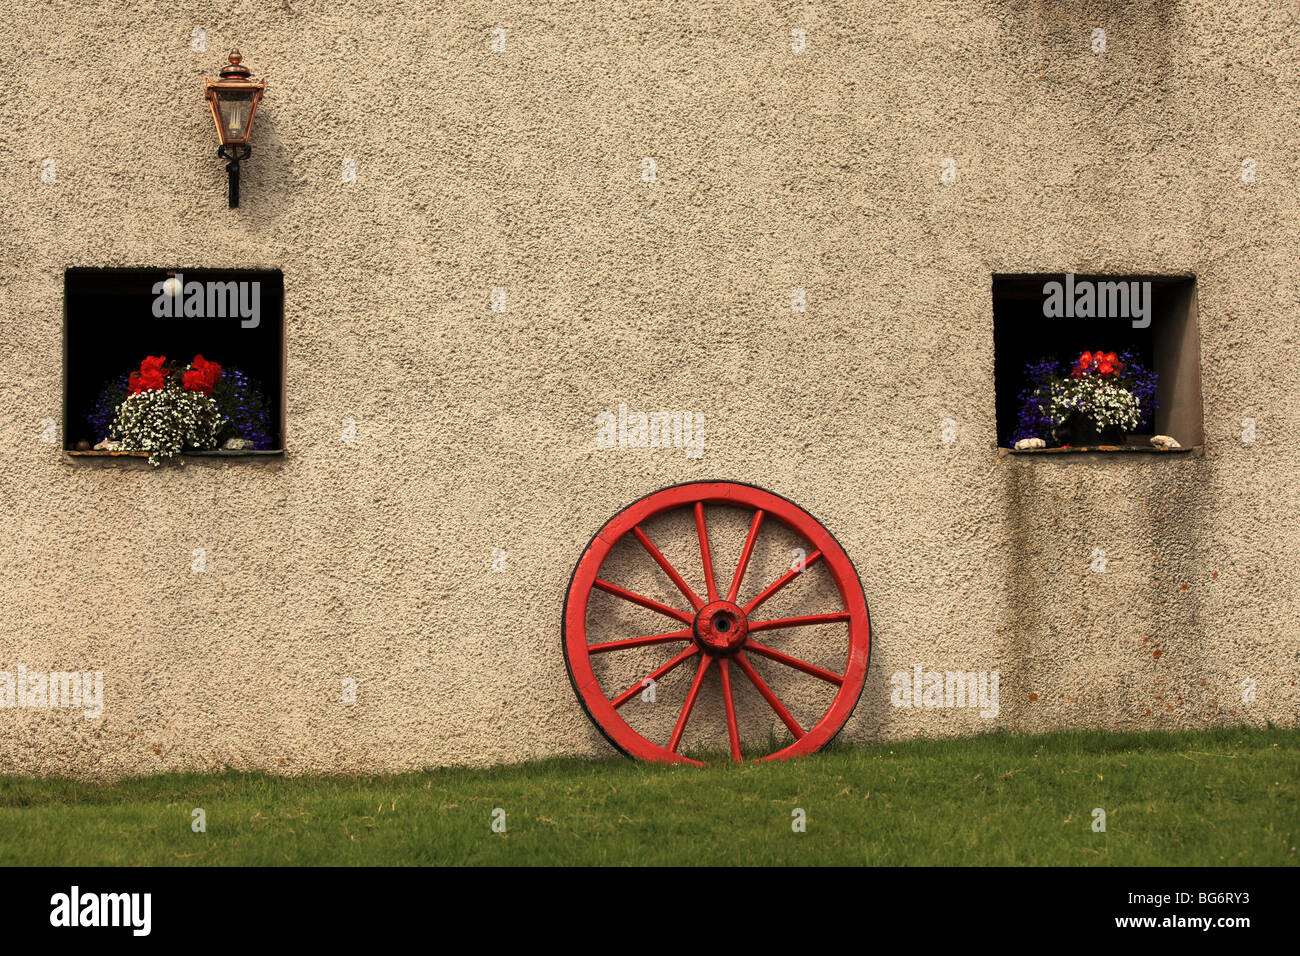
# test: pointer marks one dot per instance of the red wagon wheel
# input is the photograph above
(715, 632)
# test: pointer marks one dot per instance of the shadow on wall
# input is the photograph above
(267, 178)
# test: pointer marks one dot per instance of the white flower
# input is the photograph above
(167, 420)
(1105, 404)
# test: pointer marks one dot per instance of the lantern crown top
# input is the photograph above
(236, 70)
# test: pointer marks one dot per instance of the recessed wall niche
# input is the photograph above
(116, 318)
(1166, 340)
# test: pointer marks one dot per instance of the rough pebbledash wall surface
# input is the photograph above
(476, 429)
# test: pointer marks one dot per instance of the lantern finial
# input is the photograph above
(236, 70)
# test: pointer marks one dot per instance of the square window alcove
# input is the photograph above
(1024, 332)
(115, 318)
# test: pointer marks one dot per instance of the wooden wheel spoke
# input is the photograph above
(668, 569)
(744, 555)
(794, 662)
(804, 621)
(682, 635)
(685, 715)
(706, 556)
(758, 682)
(782, 581)
(642, 600)
(654, 675)
(733, 732)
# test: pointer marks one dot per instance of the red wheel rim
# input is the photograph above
(710, 630)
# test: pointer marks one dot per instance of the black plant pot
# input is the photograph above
(1079, 430)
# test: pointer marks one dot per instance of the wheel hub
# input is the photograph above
(720, 628)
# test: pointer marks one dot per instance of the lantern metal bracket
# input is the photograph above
(234, 154)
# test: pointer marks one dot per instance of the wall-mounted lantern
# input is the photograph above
(234, 98)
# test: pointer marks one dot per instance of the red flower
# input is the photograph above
(202, 376)
(152, 375)
(1104, 364)
(1108, 364)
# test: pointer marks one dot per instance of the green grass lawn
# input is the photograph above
(1206, 798)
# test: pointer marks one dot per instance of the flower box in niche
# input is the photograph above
(160, 364)
(1096, 363)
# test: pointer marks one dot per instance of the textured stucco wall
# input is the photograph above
(476, 429)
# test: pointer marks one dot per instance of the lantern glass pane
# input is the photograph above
(235, 110)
